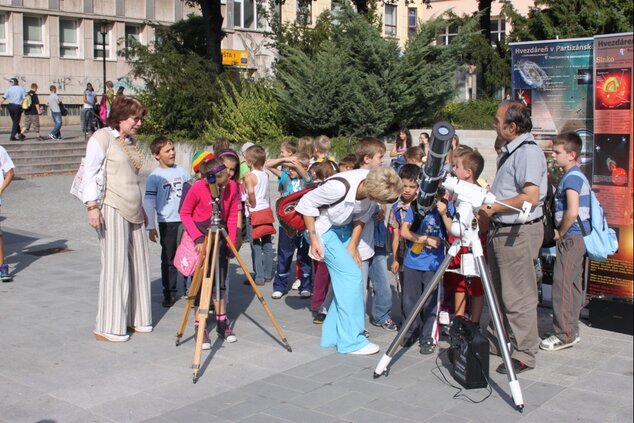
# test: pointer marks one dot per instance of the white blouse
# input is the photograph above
(332, 191)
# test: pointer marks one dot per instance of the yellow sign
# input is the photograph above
(235, 58)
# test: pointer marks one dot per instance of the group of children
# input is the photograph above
(418, 243)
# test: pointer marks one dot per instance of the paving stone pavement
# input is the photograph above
(53, 370)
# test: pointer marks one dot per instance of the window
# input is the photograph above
(33, 33)
(446, 37)
(245, 15)
(68, 38)
(4, 34)
(412, 21)
(498, 30)
(132, 36)
(132, 32)
(390, 19)
(99, 40)
(304, 12)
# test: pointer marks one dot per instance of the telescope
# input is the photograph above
(468, 199)
(432, 173)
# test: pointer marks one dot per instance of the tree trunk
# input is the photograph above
(212, 16)
(484, 9)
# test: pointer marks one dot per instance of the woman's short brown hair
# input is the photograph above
(124, 107)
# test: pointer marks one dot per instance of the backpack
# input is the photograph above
(291, 220)
(27, 102)
(549, 218)
(601, 242)
(398, 163)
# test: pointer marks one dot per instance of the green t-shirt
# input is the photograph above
(244, 168)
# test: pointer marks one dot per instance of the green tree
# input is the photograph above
(303, 37)
(342, 88)
(247, 111)
(427, 73)
(179, 85)
(551, 19)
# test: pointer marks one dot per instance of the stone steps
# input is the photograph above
(33, 158)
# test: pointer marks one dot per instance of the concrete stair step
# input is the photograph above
(60, 171)
(50, 157)
(32, 145)
(46, 168)
(47, 153)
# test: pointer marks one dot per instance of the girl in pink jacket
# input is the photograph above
(196, 214)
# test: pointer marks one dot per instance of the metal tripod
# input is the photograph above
(465, 226)
(207, 271)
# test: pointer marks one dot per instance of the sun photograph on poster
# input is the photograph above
(612, 89)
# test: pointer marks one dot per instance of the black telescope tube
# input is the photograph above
(432, 172)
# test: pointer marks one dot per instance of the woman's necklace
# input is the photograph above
(135, 164)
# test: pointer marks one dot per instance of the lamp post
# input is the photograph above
(103, 30)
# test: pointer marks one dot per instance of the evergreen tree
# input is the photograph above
(344, 87)
(551, 19)
(427, 74)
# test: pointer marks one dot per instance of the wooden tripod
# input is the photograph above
(205, 275)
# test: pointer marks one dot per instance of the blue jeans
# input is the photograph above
(57, 124)
(286, 247)
(382, 294)
(261, 255)
(86, 119)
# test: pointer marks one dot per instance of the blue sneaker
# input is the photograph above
(4, 273)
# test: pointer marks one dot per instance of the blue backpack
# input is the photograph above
(601, 242)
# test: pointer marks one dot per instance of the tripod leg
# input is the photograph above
(256, 290)
(191, 294)
(516, 390)
(205, 298)
(381, 368)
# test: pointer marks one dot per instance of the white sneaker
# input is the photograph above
(143, 329)
(553, 343)
(443, 318)
(296, 284)
(305, 294)
(276, 295)
(367, 350)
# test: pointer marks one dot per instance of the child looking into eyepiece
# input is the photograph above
(196, 213)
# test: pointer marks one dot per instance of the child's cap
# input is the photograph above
(199, 157)
(246, 146)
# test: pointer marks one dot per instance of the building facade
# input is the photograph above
(64, 42)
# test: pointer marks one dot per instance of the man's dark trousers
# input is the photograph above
(15, 111)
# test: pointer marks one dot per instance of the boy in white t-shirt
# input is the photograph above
(6, 164)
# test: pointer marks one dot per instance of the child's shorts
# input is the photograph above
(457, 282)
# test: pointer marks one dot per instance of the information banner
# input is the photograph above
(554, 79)
(612, 158)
